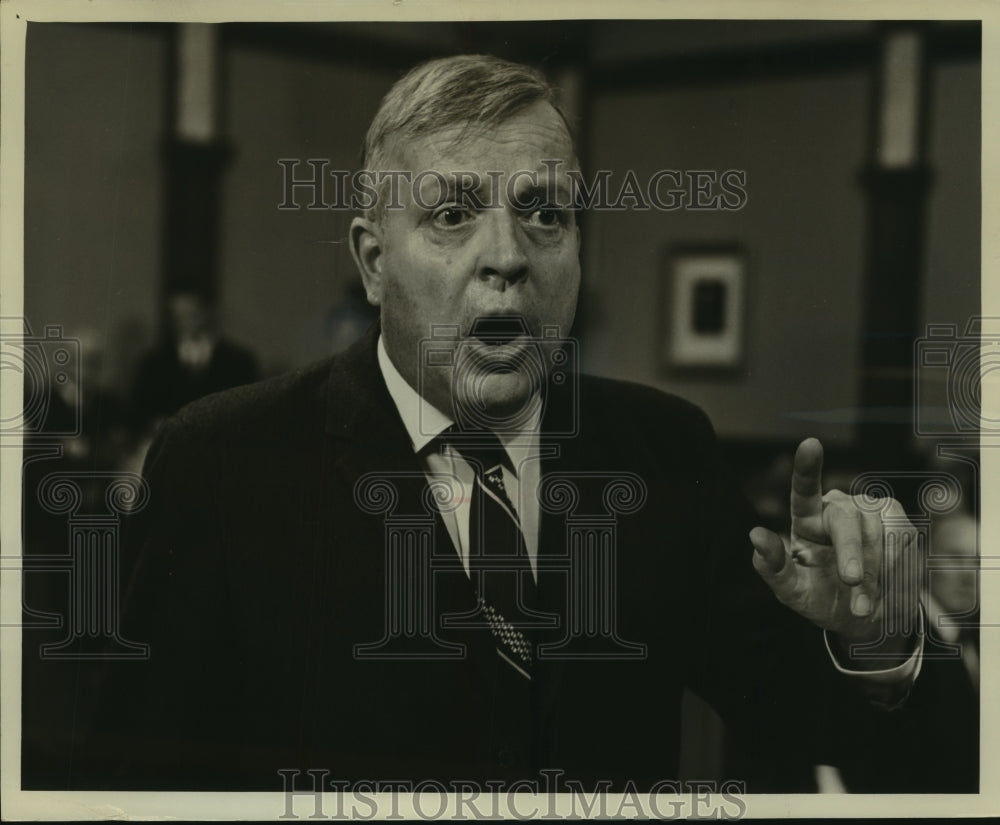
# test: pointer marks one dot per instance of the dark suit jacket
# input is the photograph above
(259, 570)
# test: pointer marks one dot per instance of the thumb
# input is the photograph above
(769, 553)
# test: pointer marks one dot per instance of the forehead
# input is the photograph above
(522, 141)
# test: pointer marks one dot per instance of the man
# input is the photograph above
(583, 551)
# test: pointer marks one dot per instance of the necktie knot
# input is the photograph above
(482, 449)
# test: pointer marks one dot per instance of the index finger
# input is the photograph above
(807, 488)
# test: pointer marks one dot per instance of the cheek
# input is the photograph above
(567, 285)
(418, 299)
(418, 272)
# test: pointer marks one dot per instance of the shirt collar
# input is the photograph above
(424, 422)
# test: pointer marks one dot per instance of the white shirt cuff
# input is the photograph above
(888, 688)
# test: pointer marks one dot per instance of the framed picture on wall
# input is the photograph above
(704, 308)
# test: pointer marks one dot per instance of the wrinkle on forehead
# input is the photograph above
(537, 127)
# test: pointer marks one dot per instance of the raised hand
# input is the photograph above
(838, 571)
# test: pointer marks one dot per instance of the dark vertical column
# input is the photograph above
(572, 77)
(195, 161)
(897, 181)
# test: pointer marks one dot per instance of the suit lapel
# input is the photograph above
(368, 443)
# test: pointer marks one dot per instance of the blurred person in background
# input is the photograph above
(954, 588)
(193, 361)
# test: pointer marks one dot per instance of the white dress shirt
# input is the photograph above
(424, 422)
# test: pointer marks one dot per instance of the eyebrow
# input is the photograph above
(533, 195)
(451, 190)
(538, 195)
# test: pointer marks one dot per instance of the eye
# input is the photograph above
(547, 217)
(452, 215)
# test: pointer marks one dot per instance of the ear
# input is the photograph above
(366, 249)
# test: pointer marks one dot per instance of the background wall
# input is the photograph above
(801, 144)
(283, 271)
(951, 285)
(94, 126)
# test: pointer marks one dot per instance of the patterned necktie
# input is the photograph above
(498, 561)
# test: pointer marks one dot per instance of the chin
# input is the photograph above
(495, 400)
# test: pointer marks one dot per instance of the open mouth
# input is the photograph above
(497, 330)
(500, 344)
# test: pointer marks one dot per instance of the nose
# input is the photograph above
(503, 260)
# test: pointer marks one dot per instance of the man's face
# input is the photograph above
(189, 316)
(447, 260)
